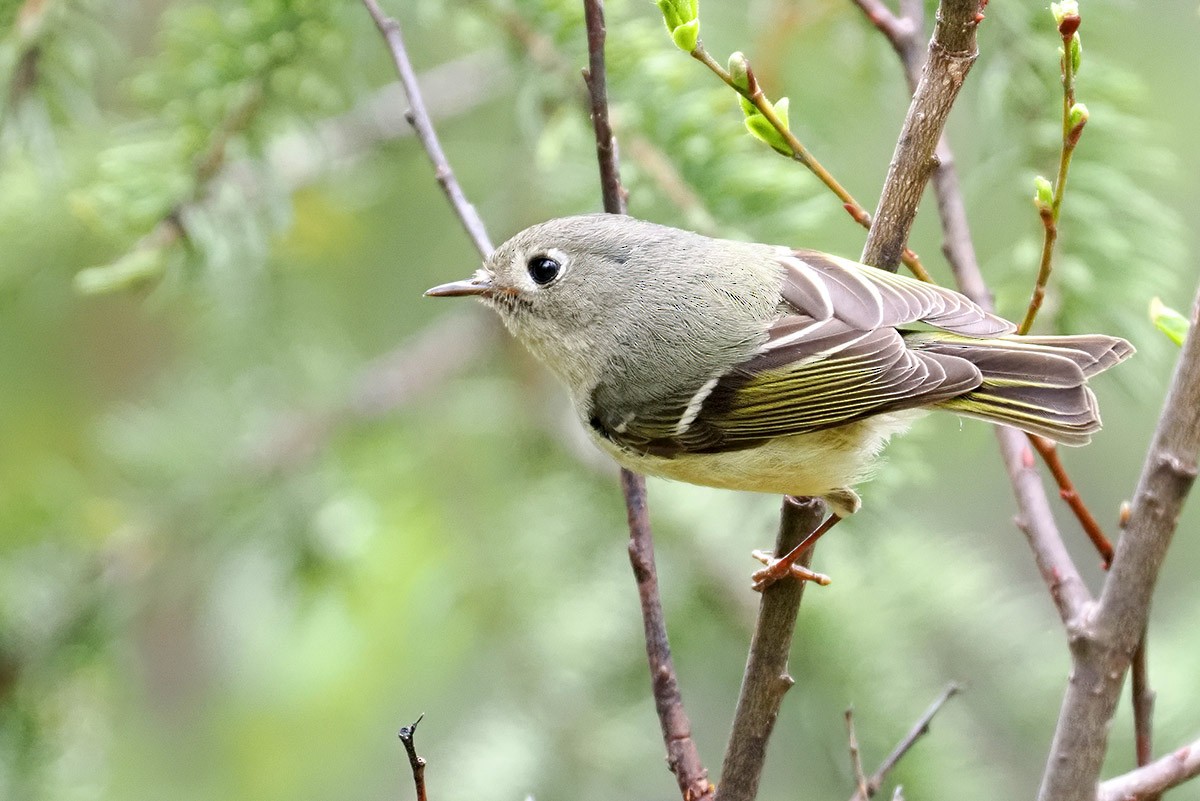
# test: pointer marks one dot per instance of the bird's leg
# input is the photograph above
(786, 565)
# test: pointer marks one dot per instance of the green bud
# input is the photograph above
(135, 268)
(739, 70)
(1077, 117)
(1043, 194)
(1076, 53)
(682, 18)
(1169, 321)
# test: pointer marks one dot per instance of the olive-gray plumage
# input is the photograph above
(759, 367)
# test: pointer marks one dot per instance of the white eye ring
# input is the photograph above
(546, 267)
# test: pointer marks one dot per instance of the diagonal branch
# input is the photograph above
(1034, 517)
(418, 116)
(1105, 641)
(952, 51)
(918, 730)
(1148, 782)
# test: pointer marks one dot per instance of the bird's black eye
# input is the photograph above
(543, 269)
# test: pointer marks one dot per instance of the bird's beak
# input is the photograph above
(479, 284)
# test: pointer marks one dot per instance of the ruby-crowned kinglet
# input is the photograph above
(757, 367)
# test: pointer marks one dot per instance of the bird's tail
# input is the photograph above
(1036, 384)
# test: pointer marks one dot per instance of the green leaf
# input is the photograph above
(761, 129)
(687, 36)
(1169, 321)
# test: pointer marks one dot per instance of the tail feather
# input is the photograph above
(1036, 384)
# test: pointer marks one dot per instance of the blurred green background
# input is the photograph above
(261, 503)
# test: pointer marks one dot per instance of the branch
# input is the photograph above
(1105, 640)
(1150, 781)
(952, 51)
(1034, 516)
(766, 679)
(417, 763)
(683, 757)
(919, 729)
(418, 117)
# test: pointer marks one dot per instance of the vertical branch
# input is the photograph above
(766, 679)
(683, 757)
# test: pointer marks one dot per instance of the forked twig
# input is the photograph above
(918, 730)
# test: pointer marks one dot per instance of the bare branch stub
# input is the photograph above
(415, 761)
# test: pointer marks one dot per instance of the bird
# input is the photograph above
(766, 368)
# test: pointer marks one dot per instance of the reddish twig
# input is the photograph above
(683, 757)
(1066, 491)
(918, 730)
(1050, 208)
(417, 763)
(1143, 705)
(418, 117)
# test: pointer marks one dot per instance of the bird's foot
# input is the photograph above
(777, 569)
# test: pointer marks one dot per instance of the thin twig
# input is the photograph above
(418, 116)
(1067, 491)
(1104, 640)
(1143, 705)
(683, 757)
(417, 763)
(766, 680)
(856, 766)
(1151, 781)
(1050, 212)
(800, 153)
(918, 730)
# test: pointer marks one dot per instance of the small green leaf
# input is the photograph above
(137, 267)
(1078, 116)
(682, 18)
(781, 109)
(687, 36)
(761, 129)
(1076, 53)
(1169, 321)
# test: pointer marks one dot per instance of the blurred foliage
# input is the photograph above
(237, 553)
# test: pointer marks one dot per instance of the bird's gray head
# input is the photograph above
(564, 273)
(584, 293)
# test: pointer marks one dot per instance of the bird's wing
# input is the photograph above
(833, 356)
(810, 375)
(823, 286)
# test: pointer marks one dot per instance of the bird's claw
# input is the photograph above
(777, 569)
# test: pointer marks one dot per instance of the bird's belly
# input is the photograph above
(813, 464)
